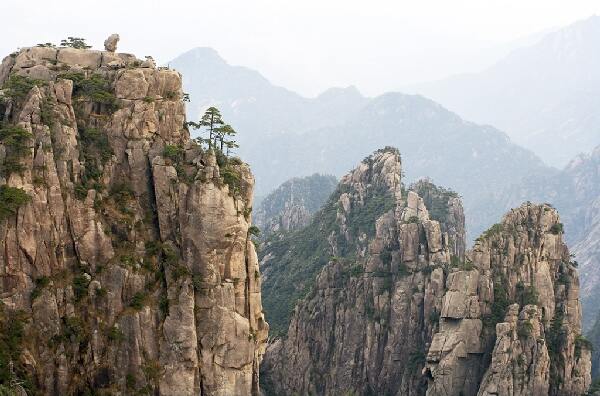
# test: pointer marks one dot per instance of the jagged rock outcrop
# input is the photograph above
(110, 44)
(400, 309)
(446, 208)
(127, 267)
(292, 205)
(365, 325)
(575, 192)
(514, 320)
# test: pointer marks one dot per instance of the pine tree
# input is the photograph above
(231, 145)
(211, 120)
(75, 42)
(219, 134)
(222, 133)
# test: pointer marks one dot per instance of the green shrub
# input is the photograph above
(386, 257)
(563, 278)
(362, 219)
(15, 140)
(95, 144)
(231, 177)
(130, 381)
(95, 87)
(427, 270)
(163, 305)
(95, 152)
(500, 303)
(557, 229)
(413, 220)
(493, 230)
(80, 191)
(122, 194)
(454, 261)
(415, 360)
(254, 230)
(17, 87)
(128, 259)
(40, 283)
(555, 335)
(153, 248)
(11, 199)
(179, 272)
(80, 287)
(73, 329)
(170, 257)
(197, 282)
(172, 95)
(434, 317)
(403, 269)
(582, 343)
(526, 295)
(74, 42)
(524, 329)
(173, 152)
(138, 301)
(356, 270)
(115, 334)
(435, 198)
(465, 265)
(12, 337)
(47, 112)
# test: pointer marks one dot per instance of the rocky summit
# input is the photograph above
(400, 308)
(127, 266)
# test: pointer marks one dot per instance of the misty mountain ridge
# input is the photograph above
(544, 95)
(284, 135)
(248, 100)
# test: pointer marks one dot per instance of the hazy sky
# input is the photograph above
(304, 45)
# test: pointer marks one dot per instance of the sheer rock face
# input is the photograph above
(404, 312)
(132, 269)
(366, 323)
(514, 319)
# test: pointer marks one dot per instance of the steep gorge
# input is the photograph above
(127, 266)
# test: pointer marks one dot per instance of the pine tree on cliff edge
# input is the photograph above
(218, 132)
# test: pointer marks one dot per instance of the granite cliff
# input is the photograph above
(399, 307)
(126, 266)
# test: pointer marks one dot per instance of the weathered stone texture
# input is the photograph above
(150, 281)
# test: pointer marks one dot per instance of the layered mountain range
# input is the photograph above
(289, 136)
(544, 95)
